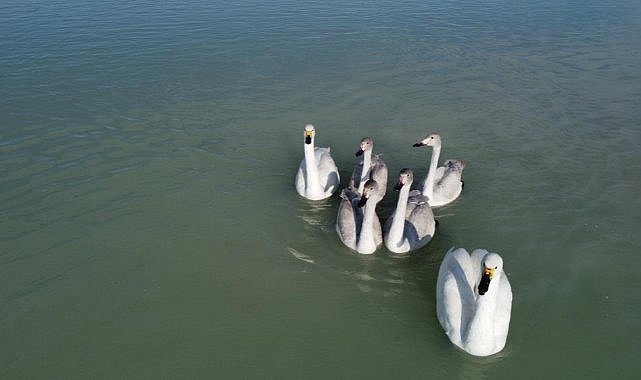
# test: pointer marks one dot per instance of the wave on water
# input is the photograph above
(300, 256)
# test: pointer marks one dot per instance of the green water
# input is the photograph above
(149, 225)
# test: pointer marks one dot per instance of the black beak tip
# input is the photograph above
(308, 140)
(360, 152)
(362, 202)
(484, 285)
(398, 186)
(418, 145)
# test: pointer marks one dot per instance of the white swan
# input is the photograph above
(357, 224)
(442, 185)
(317, 176)
(474, 300)
(372, 167)
(412, 225)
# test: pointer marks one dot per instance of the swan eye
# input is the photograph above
(496, 267)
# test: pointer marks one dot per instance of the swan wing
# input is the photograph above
(447, 183)
(449, 308)
(378, 233)
(327, 170)
(300, 178)
(379, 172)
(355, 180)
(503, 312)
(346, 221)
(438, 175)
(421, 218)
(450, 169)
(454, 294)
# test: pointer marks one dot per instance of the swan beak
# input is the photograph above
(488, 273)
(362, 202)
(308, 137)
(398, 185)
(420, 143)
(359, 153)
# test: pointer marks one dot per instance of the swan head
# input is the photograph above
(492, 265)
(429, 140)
(366, 144)
(406, 177)
(371, 192)
(309, 134)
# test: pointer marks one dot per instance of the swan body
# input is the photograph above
(442, 184)
(357, 224)
(412, 225)
(317, 176)
(474, 300)
(372, 167)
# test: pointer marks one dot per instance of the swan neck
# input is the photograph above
(365, 172)
(312, 182)
(397, 229)
(428, 186)
(366, 242)
(480, 330)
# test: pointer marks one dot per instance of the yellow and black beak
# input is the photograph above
(308, 137)
(488, 273)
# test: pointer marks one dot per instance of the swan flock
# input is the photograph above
(473, 294)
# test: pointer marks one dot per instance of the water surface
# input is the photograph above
(149, 225)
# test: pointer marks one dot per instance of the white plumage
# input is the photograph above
(317, 176)
(474, 300)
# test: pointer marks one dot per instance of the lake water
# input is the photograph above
(149, 225)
